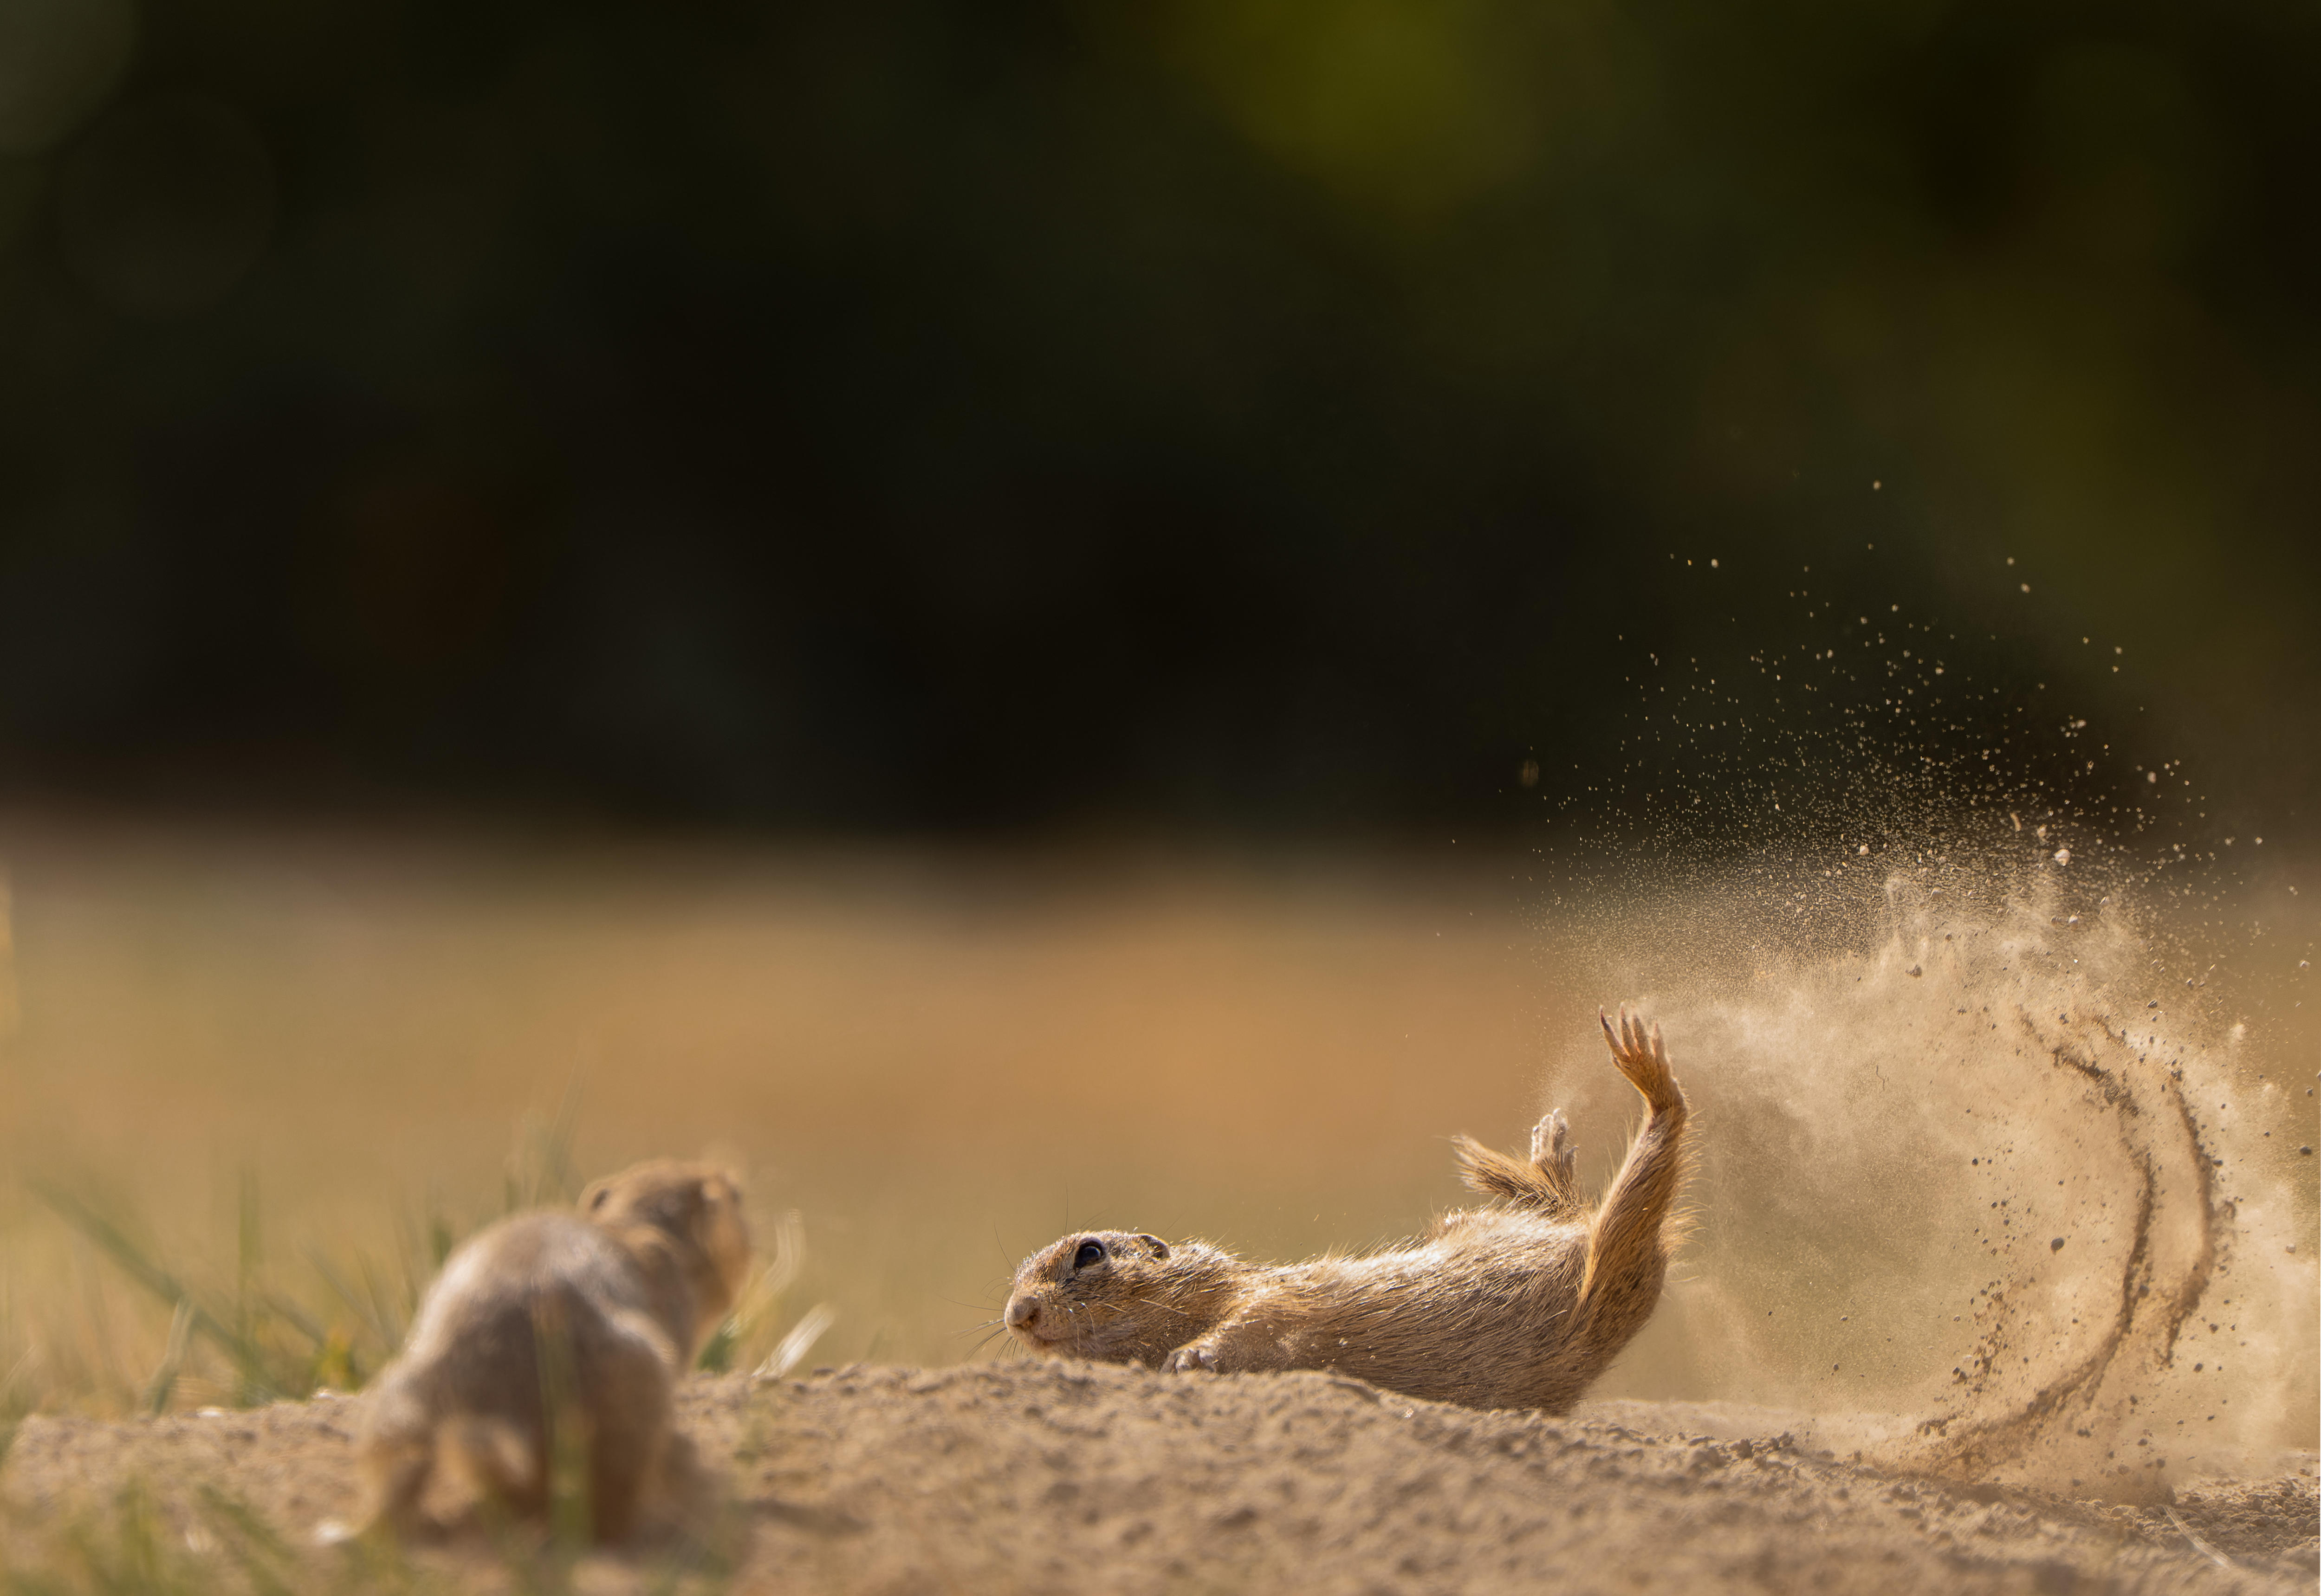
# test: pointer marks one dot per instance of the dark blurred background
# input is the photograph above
(1190, 413)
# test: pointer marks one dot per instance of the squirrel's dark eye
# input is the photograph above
(1091, 1251)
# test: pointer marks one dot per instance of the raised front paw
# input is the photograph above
(1642, 1057)
(1194, 1359)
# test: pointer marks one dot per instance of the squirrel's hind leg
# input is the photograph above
(398, 1476)
(1628, 1247)
(397, 1451)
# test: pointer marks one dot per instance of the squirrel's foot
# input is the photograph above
(1550, 1146)
(1557, 1161)
(1642, 1057)
(1194, 1359)
(382, 1529)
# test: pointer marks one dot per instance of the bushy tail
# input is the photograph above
(1546, 1181)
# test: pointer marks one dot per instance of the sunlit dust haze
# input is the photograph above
(1979, 1171)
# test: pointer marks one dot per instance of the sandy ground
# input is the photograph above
(1042, 1477)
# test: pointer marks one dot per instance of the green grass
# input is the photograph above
(271, 1332)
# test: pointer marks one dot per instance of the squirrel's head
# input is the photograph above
(698, 1206)
(1116, 1296)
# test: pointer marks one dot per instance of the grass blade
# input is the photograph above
(800, 1341)
(258, 1380)
(173, 1356)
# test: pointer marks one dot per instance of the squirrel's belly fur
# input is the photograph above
(1457, 1317)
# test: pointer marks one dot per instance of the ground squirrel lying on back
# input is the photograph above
(1516, 1304)
(553, 1328)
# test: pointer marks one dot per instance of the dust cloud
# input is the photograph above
(2002, 1166)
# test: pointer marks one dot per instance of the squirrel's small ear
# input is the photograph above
(1160, 1247)
(692, 1203)
(593, 1197)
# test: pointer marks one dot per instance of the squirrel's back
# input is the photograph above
(558, 1327)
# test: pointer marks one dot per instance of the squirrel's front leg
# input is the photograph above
(1234, 1348)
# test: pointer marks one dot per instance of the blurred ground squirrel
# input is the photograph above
(1519, 1303)
(586, 1318)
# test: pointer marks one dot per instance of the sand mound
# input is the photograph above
(1077, 1478)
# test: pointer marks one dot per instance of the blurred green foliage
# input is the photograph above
(905, 412)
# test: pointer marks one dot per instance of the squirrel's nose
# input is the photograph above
(1021, 1312)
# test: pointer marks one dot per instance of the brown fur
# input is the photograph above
(544, 1319)
(1516, 1304)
